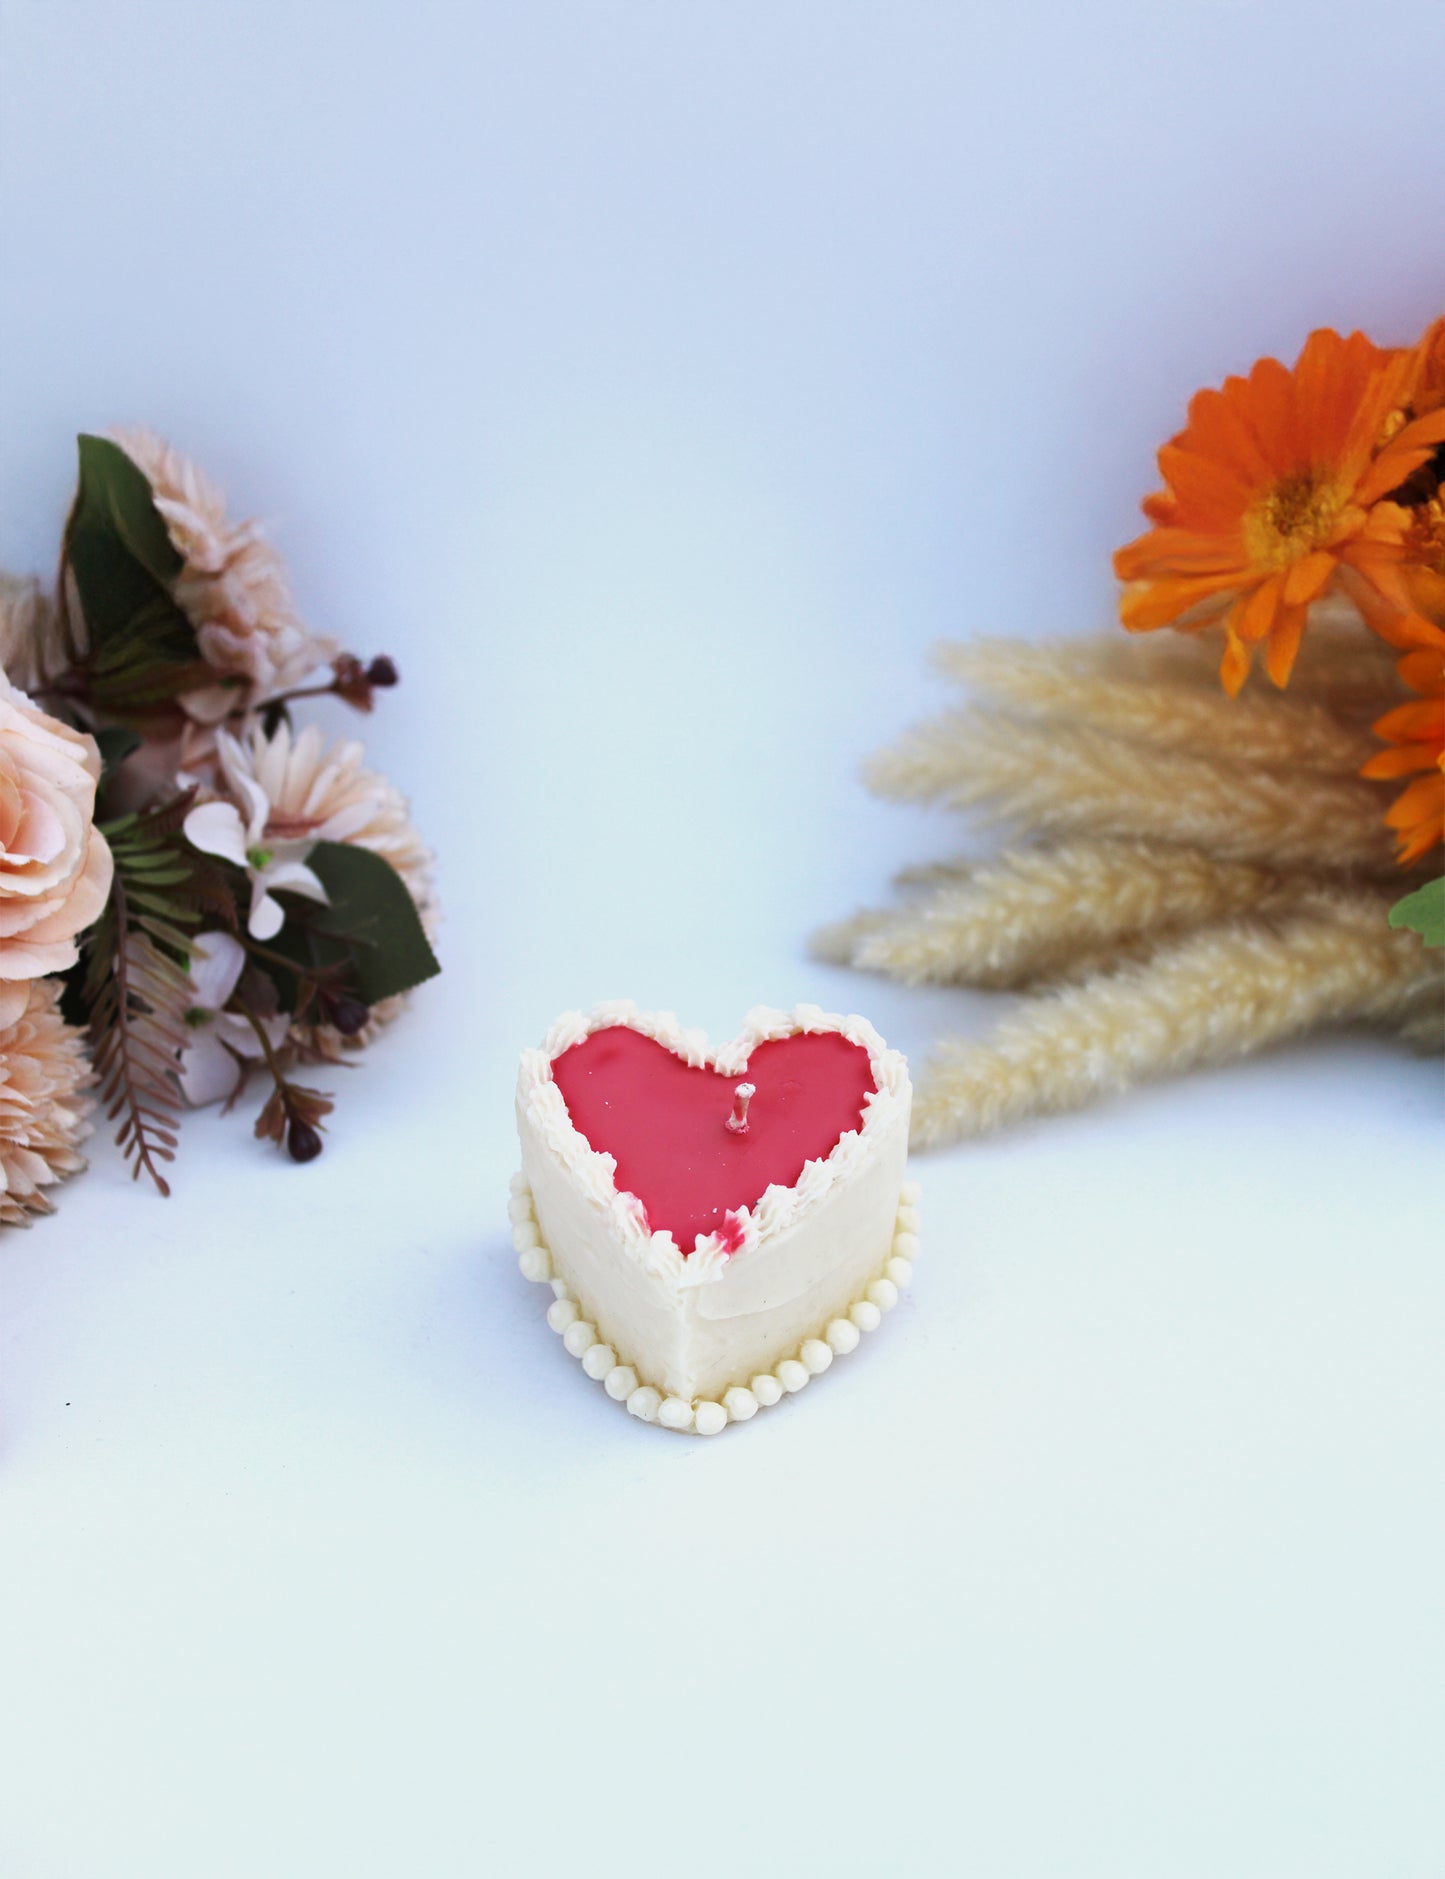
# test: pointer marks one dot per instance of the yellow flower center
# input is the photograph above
(1290, 519)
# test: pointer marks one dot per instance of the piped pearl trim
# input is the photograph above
(742, 1402)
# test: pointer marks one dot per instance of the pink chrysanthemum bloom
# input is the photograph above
(324, 793)
(233, 589)
(44, 1073)
(32, 650)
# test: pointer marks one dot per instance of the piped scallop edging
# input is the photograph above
(740, 1403)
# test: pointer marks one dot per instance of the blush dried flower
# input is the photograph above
(325, 793)
(32, 646)
(321, 792)
(44, 1074)
(232, 588)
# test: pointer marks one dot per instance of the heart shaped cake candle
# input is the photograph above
(715, 1225)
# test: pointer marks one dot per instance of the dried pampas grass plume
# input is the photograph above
(1070, 778)
(1214, 995)
(1185, 878)
(44, 1074)
(1046, 913)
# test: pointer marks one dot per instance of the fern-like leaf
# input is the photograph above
(137, 987)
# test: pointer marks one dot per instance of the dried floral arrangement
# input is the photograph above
(1187, 871)
(194, 892)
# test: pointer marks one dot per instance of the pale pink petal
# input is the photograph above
(293, 877)
(267, 916)
(13, 1000)
(41, 834)
(22, 960)
(255, 804)
(80, 905)
(215, 828)
(217, 962)
(209, 1072)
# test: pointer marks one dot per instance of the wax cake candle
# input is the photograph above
(716, 1225)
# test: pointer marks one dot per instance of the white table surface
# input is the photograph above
(655, 383)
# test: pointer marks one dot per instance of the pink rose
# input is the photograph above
(55, 866)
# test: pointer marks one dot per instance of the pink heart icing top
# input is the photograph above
(664, 1121)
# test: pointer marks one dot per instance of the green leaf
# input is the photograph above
(141, 648)
(116, 744)
(373, 916)
(1423, 912)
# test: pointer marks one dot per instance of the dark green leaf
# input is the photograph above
(1423, 912)
(116, 744)
(373, 917)
(141, 650)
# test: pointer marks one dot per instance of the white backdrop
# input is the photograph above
(655, 383)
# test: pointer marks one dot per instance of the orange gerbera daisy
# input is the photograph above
(1430, 385)
(1416, 734)
(1274, 487)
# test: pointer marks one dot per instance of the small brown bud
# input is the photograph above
(303, 1143)
(349, 1015)
(382, 672)
(350, 681)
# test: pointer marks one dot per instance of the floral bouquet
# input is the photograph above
(1193, 869)
(194, 892)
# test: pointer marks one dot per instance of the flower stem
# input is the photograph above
(277, 1073)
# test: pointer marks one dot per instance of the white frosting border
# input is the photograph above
(703, 1416)
(779, 1207)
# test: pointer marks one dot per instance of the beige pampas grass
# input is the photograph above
(1214, 995)
(1187, 878)
(44, 1074)
(1067, 779)
(1059, 684)
(1038, 912)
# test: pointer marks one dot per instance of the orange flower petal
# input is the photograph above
(1284, 642)
(1234, 667)
(1308, 578)
(1407, 761)
(1422, 839)
(1405, 452)
(1423, 798)
(1165, 553)
(1407, 724)
(1423, 671)
(1207, 490)
(1152, 604)
(1270, 394)
(1254, 616)
(1219, 428)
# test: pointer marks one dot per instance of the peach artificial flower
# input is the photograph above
(1416, 735)
(219, 1042)
(238, 827)
(55, 865)
(32, 650)
(324, 793)
(44, 1074)
(232, 588)
(1274, 490)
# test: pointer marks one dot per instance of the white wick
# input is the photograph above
(738, 1120)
